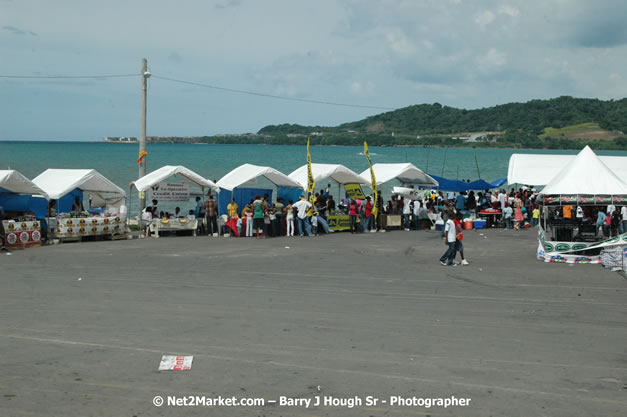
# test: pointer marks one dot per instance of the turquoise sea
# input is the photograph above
(118, 162)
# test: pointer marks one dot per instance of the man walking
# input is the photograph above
(450, 237)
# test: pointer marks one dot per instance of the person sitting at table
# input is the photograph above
(177, 213)
(52, 210)
(77, 207)
(190, 216)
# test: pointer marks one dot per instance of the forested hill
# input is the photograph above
(563, 122)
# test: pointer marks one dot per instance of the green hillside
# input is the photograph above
(563, 122)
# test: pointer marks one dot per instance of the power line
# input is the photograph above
(69, 76)
(253, 93)
(214, 87)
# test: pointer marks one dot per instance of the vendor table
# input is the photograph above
(390, 220)
(492, 216)
(159, 225)
(78, 227)
(24, 234)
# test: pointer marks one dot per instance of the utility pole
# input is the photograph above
(142, 134)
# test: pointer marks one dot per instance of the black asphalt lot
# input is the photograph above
(83, 327)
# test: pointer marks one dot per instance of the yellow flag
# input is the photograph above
(373, 180)
(311, 184)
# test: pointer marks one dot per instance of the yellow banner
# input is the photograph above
(373, 180)
(311, 184)
(354, 191)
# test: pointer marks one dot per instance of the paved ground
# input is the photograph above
(83, 327)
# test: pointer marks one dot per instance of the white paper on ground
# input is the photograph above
(176, 363)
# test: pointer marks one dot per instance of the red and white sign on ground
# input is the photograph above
(176, 363)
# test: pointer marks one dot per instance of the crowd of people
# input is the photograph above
(260, 218)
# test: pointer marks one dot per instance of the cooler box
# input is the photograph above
(479, 224)
(468, 225)
(439, 226)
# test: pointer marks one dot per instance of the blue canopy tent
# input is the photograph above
(19, 194)
(247, 174)
(458, 186)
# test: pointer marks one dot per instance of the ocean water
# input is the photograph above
(118, 162)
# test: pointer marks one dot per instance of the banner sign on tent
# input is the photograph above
(572, 252)
(90, 226)
(170, 192)
(339, 222)
(354, 191)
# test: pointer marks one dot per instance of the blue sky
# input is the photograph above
(382, 53)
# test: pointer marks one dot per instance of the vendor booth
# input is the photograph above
(539, 169)
(155, 184)
(242, 185)
(101, 210)
(339, 174)
(407, 175)
(589, 184)
(23, 205)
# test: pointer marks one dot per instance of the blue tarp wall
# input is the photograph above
(242, 197)
(64, 204)
(289, 193)
(25, 203)
(459, 186)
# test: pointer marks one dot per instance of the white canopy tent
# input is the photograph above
(406, 173)
(336, 172)
(167, 171)
(59, 182)
(586, 175)
(539, 169)
(17, 183)
(247, 172)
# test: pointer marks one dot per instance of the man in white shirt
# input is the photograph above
(417, 207)
(450, 237)
(406, 212)
(610, 209)
(302, 206)
(623, 212)
(502, 199)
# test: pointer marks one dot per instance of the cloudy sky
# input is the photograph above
(377, 53)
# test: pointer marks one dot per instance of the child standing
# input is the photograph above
(314, 223)
(535, 216)
(249, 222)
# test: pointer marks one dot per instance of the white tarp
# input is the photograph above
(58, 182)
(165, 172)
(17, 183)
(585, 175)
(539, 169)
(406, 173)
(336, 172)
(247, 172)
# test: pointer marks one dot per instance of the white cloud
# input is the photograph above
(400, 43)
(509, 10)
(484, 18)
(358, 88)
(493, 60)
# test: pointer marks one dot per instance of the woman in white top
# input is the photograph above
(289, 217)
